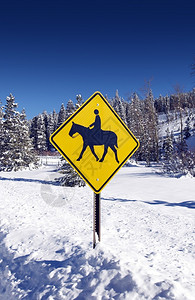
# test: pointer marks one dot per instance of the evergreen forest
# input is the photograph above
(22, 140)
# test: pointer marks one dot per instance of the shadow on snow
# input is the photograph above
(118, 200)
(188, 204)
(30, 180)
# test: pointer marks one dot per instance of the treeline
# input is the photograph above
(140, 115)
(43, 125)
(173, 102)
(21, 139)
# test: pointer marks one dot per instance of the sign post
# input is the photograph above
(97, 143)
(96, 219)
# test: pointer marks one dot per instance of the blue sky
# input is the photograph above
(52, 50)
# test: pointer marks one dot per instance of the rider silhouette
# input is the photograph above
(95, 137)
(96, 130)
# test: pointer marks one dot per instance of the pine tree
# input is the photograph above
(25, 147)
(178, 98)
(70, 108)
(10, 129)
(119, 106)
(41, 144)
(70, 178)
(168, 146)
(128, 116)
(79, 102)
(61, 115)
(146, 143)
(115, 101)
(151, 128)
(1, 128)
(33, 132)
(55, 119)
(46, 121)
(50, 130)
(187, 133)
(17, 147)
(136, 123)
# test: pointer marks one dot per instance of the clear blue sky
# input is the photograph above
(52, 50)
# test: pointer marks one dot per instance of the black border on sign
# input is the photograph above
(69, 160)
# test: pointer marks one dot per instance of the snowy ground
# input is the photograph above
(147, 248)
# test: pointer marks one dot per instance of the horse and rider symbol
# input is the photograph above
(95, 137)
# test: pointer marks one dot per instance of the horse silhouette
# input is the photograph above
(91, 139)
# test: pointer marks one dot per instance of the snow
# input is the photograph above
(174, 124)
(147, 237)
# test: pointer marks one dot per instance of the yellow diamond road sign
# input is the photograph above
(95, 141)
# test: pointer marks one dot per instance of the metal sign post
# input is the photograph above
(96, 219)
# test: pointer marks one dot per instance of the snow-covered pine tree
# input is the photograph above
(70, 178)
(70, 108)
(79, 100)
(114, 102)
(158, 104)
(128, 115)
(136, 125)
(41, 127)
(1, 113)
(1, 128)
(122, 110)
(179, 108)
(119, 106)
(61, 115)
(189, 163)
(181, 147)
(187, 128)
(41, 144)
(167, 107)
(46, 121)
(145, 142)
(33, 132)
(151, 127)
(55, 119)
(168, 146)
(182, 162)
(191, 98)
(17, 147)
(10, 128)
(50, 130)
(27, 154)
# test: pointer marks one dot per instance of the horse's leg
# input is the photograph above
(105, 152)
(92, 150)
(83, 150)
(115, 152)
